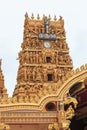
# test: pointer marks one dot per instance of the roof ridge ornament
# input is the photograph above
(32, 16)
(26, 15)
(55, 18)
(38, 17)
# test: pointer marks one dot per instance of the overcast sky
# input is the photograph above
(12, 14)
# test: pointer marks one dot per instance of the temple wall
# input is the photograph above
(28, 127)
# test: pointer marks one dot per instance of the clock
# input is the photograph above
(47, 44)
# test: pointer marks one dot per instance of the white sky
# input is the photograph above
(11, 30)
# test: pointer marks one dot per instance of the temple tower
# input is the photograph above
(44, 58)
(41, 96)
(3, 90)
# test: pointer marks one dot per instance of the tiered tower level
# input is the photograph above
(44, 59)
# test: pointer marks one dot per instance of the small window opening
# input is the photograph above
(48, 59)
(50, 77)
(40, 30)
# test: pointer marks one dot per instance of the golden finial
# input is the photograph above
(38, 17)
(49, 17)
(32, 16)
(26, 15)
(61, 18)
(55, 17)
(43, 16)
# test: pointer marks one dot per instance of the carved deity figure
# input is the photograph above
(46, 24)
(38, 75)
(40, 57)
(37, 57)
(59, 73)
(56, 74)
(61, 59)
(34, 73)
(56, 127)
(33, 44)
(14, 99)
(65, 46)
(34, 58)
(26, 98)
(71, 100)
(26, 57)
(28, 72)
(66, 125)
(70, 112)
(31, 56)
(45, 74)
(20, 58)
(53, 126)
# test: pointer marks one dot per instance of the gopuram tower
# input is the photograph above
(3, 90)
(44, 59)
(41, 96)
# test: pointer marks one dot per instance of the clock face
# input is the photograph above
(47, 44)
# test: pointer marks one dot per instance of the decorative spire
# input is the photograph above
(3, 92)
(38, 17)
(1, 74)
(43, 16)
(55, 18)
(26, 15)
(32, 16)
(61, 21)
(49, 17)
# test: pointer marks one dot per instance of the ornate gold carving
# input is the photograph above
(64, 117)
(4, 126)
(53, 126)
